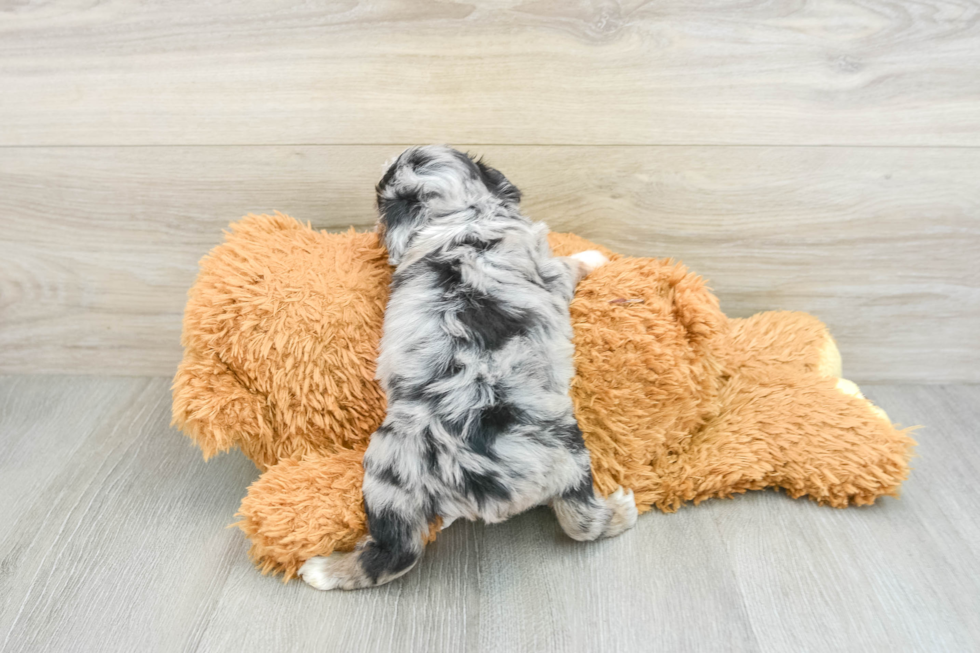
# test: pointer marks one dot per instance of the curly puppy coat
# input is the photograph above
(476, 360)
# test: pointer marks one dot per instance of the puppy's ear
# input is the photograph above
(498, 184)
(401, 217)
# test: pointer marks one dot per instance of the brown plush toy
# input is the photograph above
(676, 401)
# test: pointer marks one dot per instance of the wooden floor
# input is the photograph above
(114, 540)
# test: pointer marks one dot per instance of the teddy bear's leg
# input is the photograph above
(781, 343)
(850, 389)
(803, 434)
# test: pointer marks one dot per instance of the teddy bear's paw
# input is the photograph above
(591, 259)
(624, 512)
(327, 572)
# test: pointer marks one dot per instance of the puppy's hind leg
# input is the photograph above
(585, 515)
(398, 524)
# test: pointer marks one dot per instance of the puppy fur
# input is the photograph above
(476, 361)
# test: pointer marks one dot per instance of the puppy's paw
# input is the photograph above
(590, 259)
(326, 572)
(623, 512)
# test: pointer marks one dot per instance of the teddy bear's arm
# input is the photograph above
(217, 411)
(304, 508)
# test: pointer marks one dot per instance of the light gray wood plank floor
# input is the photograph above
(114, 539)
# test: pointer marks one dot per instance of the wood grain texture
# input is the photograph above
(109, 550)
(118, 543)
(98, 246)
(914, 562)
(874, 72)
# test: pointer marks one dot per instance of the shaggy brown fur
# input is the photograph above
(675, 400)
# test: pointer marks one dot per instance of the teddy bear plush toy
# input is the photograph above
(675, 400)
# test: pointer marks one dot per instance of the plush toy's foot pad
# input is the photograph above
(850, 388)
(624, 514)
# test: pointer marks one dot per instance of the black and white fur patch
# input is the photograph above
(476, 361)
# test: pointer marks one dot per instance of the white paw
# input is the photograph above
(320, 572)
(591, 259)
(623, 505)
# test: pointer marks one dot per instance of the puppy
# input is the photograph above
(476, 361)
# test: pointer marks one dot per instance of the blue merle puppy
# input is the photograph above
(476, 360)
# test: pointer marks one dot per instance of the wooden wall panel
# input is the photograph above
(99, 245)
(884, 72)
